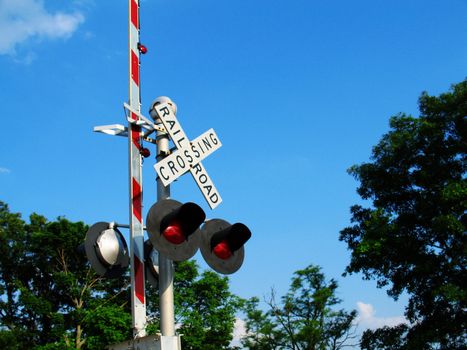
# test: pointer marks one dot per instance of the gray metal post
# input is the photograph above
(166, 270)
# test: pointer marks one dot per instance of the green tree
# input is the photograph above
(50, 298)
(207, 309)
(204, 308)
(306, 318)
(388, 338)
(412, 238)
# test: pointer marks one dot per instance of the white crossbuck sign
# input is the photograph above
(188, 155)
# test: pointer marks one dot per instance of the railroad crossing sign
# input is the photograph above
(188, 155)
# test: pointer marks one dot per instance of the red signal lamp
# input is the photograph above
(142, 49)
(174, 233)
(173, 228)
(222, 245)
(145, 152)
(222, 250)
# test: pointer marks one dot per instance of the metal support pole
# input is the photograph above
(166, 270)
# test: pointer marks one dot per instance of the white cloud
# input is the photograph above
(4, 170)
(21, 20)
(367, 317)
(239, 332)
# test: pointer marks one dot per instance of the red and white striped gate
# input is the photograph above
(136, 180)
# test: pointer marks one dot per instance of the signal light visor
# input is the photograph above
(233, 237)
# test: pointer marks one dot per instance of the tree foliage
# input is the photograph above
(50, 298)
(412, 239)
(305, 318)
(204, 308)
(209, 315)
(388, 338)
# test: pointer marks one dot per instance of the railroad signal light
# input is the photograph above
(222, 245)
(173, 228)
(106, 250)
(143, 49)
(145, 152)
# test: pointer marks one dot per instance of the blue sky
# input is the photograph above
(297, 92)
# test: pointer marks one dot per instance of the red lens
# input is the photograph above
(142, 49)
(145, 152)
(174, 233)
(222, 250)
